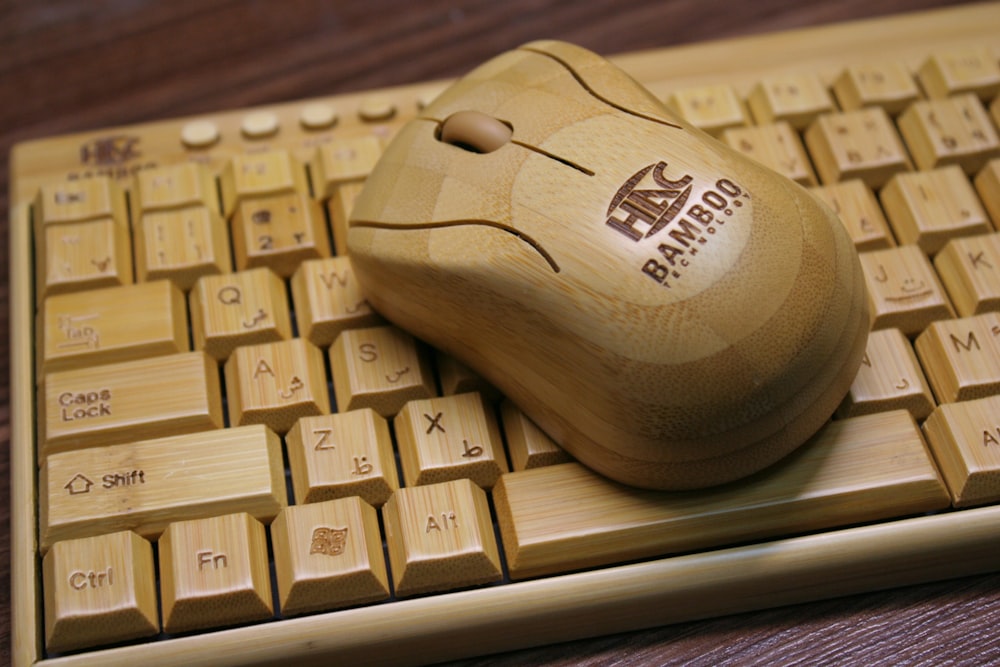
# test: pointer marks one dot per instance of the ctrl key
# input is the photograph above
(99, 590)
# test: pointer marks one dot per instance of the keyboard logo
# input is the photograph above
(328, 541)
(112, 150)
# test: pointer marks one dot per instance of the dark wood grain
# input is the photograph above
(67, 66)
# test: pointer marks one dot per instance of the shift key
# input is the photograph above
(129, 401)
(143, 486)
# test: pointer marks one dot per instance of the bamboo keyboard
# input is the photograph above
(222, 455)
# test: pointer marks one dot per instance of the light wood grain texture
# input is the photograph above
(565, 517)
(928, 208)
(178, 186)
(99, 590)
(904, 291)
(129, 400)
(76, 256)
(527, 445)
(860, 144)
(797, 99)
(90, 81)
(340, 455)
(955, 72)
(279, 232)
(181, 245)
(890, 378)
(328, 300)
(606, 242)
(970, 270)
(82, 236)
(440, 537)
(713, 109)
(214, 571)
(113, 324)
(142, 486)
(857, 208)
(448, 438)
(259, 174)
(243, 308)
(344, 161)
(380, 368)
(775, 145)
(457, 378)
(887, 85)
(962, 357)
(965, 438)
(328, 555)
(988, 186)
(275, 384)
(953, 130)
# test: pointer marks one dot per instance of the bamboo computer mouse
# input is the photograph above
(671, 313)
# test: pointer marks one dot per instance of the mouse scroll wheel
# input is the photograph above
(474, 131)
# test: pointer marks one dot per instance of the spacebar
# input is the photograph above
(143, 486)
(562, 518)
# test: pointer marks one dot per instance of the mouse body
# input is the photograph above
(671, 313)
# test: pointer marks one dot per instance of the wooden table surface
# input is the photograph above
(68, 66)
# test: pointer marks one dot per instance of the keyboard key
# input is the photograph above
(259, 124)
(857, 208)
(710, 108)
(181, 245)
(242, 308)
(797, 99)
(962, 357)
(318, 116)
(328, 300)
(954, 130)
(457, 378)
(144, 485)
(248, 175)
(276, 383)
(988, 186)
(556, 518)
(447, 438)
(376, 108)
(214, 572)
(328, 555)
(131, 400)
(965, 438)
(969, 268)
(338, 207)
(528, 445)
(887, 85)
(113, 324)
(83, 255)
(890, 378)
(278, 231)
(903, 291)
(860, 144)
(340, 455)
(343, 161)
(80, 200)
(380, 368)
(965, 71)
(776, 146)
(186, 185)
(440, 537)
(99, 590)
(928, 208)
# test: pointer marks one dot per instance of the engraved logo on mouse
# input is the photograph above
(651, 203)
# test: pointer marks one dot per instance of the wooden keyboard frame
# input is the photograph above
(554, 609)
